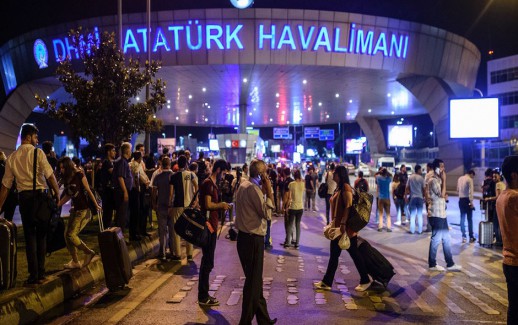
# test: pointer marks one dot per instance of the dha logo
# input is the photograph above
(41, 54)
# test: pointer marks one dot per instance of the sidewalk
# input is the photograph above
(22, 305)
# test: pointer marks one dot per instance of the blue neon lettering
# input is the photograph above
(130, 42)
(160, 40)
(143, 31)
(263, 36)
(214, 37)
(381, 45)
(176, 34)
(406, 46)
(189, 36)
(234, 37)
(364, 43)
(286, 38)
(337, 42)
(304, 39)
(59, 53)
(351, 38)
(396, 46)
(71, 48)
(322, 40)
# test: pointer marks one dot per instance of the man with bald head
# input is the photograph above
(254, 205)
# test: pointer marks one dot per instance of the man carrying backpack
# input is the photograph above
(361, 183)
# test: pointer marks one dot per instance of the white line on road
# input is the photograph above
(490, 293)
(483, 270)
(304, 226)
(471, 298)
(415, 297)
(445, 300)
(397, 267)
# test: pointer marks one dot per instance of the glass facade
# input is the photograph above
(504, 75)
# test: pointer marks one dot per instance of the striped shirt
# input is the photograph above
(438, 203)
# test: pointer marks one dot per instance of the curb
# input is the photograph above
(26, 305)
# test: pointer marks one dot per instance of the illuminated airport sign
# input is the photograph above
(197, 35)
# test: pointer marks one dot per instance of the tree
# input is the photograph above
(104, 106)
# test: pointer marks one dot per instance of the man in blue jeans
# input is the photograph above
(414, 196)
(437, 219)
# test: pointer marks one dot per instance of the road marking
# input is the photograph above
(490, 293)
(501, 285)
(415, 297)
(445, 300)
(471, 298)
(483, 270)
(397, 267)
(304, 226)
(418, 267)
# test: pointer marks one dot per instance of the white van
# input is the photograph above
(388, 162)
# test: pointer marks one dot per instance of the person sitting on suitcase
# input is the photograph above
(210, 202)
(77, 189)
(507, 213)
(341, 203)
(437, 219)
(20, 166)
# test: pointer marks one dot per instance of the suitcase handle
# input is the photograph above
(100, 217)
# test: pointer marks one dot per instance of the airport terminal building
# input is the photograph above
(267, 67)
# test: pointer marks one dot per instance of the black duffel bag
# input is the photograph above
(192, 226)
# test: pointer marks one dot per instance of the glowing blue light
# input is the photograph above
(242, 4)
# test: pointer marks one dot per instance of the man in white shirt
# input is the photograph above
(465, 190)
(31, 191)
(254, 205)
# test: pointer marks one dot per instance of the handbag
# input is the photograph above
(360, 212)
(331, 233)
(192, 226)
(344, 242)
(322, 190)
(55, 233)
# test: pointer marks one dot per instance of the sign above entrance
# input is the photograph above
(203, 35)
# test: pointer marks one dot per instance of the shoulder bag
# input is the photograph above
(323, 188)
(360, 212)
(192, 225)
(46, 211)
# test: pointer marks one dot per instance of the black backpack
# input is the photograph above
(362, 185)
(400, 191)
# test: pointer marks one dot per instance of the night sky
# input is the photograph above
(490, 24)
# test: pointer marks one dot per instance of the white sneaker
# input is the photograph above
(437, 268)
(397, 223)
(363, 287)
(72, 265)
(454, 268)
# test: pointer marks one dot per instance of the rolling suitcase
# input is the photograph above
(378, 267)
(485, 227)
(115, 257)
(8, 269)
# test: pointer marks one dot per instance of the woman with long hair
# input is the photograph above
(77, 189)
(296, 204)
(341, 203)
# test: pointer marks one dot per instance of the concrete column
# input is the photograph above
(371, 128)
(434, 95)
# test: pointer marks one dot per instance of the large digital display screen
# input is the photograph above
(354, 145)
(400, 135)
(474, 118)
(213, 145)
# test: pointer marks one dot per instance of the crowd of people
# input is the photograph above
(132, 185)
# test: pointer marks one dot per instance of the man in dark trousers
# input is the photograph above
(507, 212)
(254, 205)
(106, 184)
(211, 204)
(122, 180)
(20, 165)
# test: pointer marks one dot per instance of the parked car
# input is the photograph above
(350, 168)
(364, 168)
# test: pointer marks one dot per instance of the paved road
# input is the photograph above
(476, 295)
